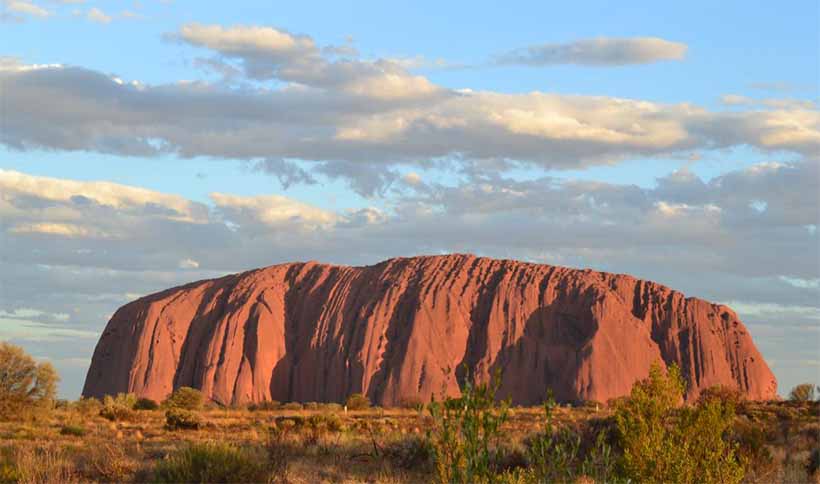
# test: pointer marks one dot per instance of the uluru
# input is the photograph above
(406, 329)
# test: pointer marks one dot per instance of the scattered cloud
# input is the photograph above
(597, 52)
(775, 103)
(269, 53)
(188, 264)
(98, 16)
(338, 129)
(21, 329)
(19, 10)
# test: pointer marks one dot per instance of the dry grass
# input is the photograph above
(323, 444)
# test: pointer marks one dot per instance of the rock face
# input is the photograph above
(400, 331)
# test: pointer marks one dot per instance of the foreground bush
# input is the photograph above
(146, 404)
(26, 387)
(118, 408)
(661, 444)
(357, 401)
(186, 398)
(181, 419)
(213, 462)
(555, 454)
(462, 431)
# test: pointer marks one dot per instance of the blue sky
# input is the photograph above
(702, 137)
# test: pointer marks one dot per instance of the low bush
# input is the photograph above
(315, 428)
(146, 404)
(508, 459)
(182, 419)
(87, 406)
(265, 406)
(334, 422)
(331, 407)
(752, 447)
(357, 401)
(118, 408)
(108, 463)
(292, 406)
(213, 462)
(73, 430)
(414, 452)
(721, 393)
(185, 398)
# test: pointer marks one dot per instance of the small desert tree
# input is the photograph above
(463, 429)
(26, 387)
(662, 443)
(802, 393)
(185, 398)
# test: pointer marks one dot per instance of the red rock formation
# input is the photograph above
(314, 332)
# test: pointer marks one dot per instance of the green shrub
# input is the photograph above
(146, 404)
(311, 406)
(292, 406)
(73, 430)
(182, 419)
(357, 401)
(722, 393)
(118, 408)
(27, 388)
(462, 430)
(213, 462)
(316, 428)
(334, 422)
(186, 398)
(555, 453)
(663, 445)
(802, 393)
(284, 425)
(87, 406)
